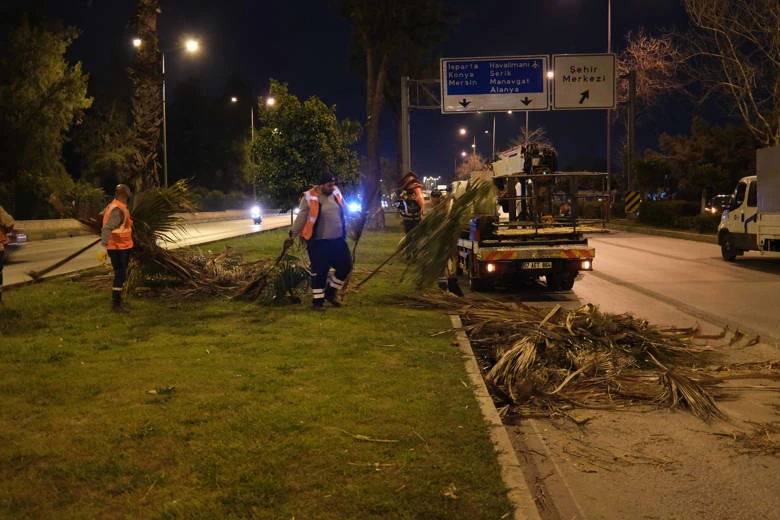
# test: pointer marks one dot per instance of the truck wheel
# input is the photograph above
(727, 249)
(479, 284)
(560, 281)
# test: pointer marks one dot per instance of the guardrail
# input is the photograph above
(68, 227)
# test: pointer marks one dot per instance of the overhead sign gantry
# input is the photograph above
(494, 84)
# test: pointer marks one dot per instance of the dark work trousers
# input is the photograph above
(324, 254)
(120, 258)
(409, 224)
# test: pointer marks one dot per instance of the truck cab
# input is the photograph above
(752, 221)
(737, 231)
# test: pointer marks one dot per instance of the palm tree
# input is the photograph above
(391, 37)
(146, 77)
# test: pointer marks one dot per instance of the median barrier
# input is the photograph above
(68, 227)
(626, 225)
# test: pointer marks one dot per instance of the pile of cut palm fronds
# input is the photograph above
(277, 282)
(434, 241)
(554, 359)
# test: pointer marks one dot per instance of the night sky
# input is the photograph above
(305, 43)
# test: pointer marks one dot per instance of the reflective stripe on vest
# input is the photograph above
(312, 198)
(121, 237)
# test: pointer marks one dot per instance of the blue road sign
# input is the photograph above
(493, 84)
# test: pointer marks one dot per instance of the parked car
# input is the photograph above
(718, 204)
(18, 238)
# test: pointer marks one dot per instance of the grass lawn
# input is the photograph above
(209, 408)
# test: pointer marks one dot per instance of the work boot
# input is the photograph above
(330, 295)
(116, 306)
(453, 287)
(318, 305)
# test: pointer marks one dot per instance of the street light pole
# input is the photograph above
(165, 126)
(526, 131)
(493, 156)
(252, 140)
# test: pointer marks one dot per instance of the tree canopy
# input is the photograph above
(391, 37)
(295, 141)
(711, 159)
(41, 96)
(735, 54)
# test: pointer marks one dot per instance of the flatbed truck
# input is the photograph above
(537, 231)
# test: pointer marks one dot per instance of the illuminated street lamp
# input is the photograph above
(269, 102)
(192, 47)
(463, 131)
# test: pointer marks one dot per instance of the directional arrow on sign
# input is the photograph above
(585, 95)
(464, 102)
(526, 100)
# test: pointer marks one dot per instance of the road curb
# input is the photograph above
(511, 472)
(647, 230)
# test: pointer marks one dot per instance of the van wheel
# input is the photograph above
(727, 249)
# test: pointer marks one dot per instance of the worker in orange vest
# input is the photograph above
(6, 225)
(410, 202)
(117, 237)
(322, 224)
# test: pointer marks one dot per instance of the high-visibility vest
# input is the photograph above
(121, 237)
(4, 238)
(312, 198)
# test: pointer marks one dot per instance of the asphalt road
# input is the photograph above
(37, 255)
(674, 282)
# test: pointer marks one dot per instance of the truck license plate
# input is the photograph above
(536, 265)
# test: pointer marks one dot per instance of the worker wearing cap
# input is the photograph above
(117, 237)
(410, 202)
(321, 222)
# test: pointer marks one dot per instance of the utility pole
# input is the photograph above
(631, 77)
(165, 125)
(406, 160)
(492, 157)
(252, 140)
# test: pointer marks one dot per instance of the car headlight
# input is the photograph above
(255, 211)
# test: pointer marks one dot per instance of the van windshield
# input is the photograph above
(739, 194)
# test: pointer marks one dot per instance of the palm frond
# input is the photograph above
(584, 357)
(434, 241)
(155, 213)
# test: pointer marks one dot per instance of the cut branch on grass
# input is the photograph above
(36, 275)
(365, 438)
